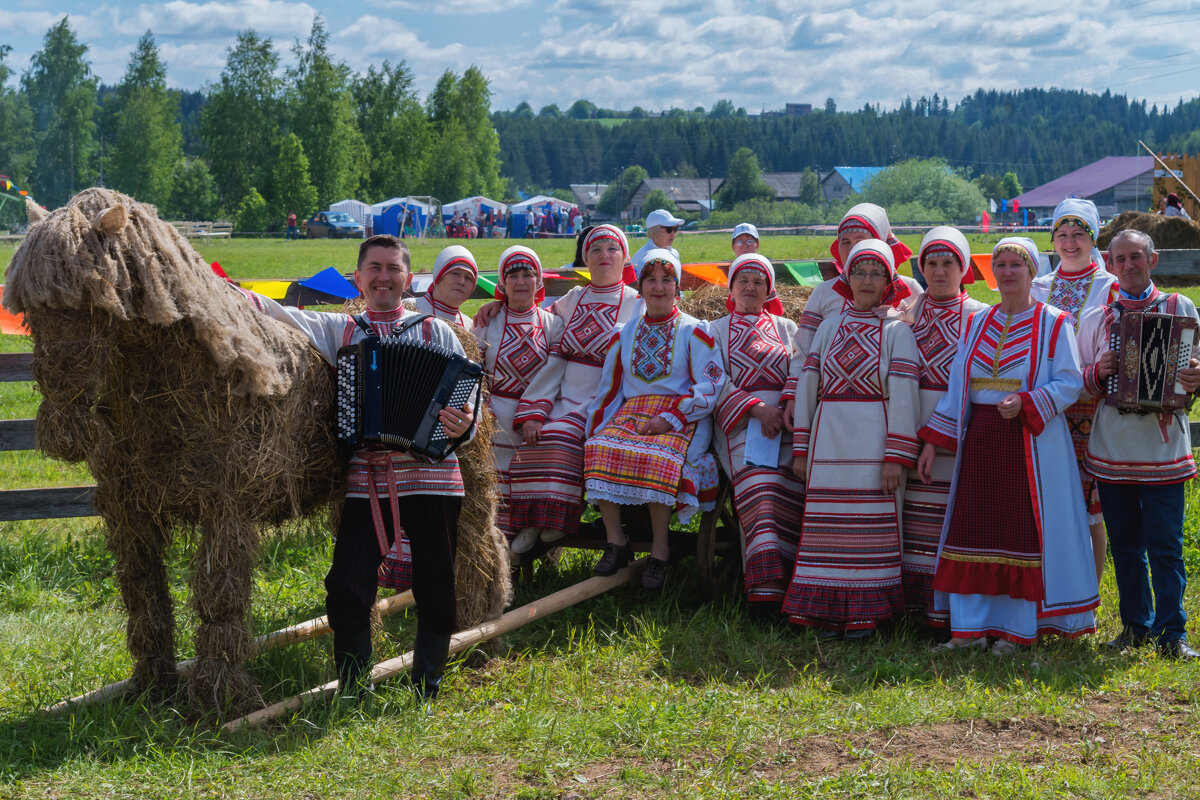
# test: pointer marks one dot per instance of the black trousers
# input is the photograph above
(431, 523)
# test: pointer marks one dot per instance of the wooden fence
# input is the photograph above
(72, 501)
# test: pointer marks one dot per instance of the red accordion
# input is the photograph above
(1151, 350)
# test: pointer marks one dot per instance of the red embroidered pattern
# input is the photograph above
(521, 353)
(851, 365)
(758, 358)
(937, 330)
(1000, 353)
(585, 338)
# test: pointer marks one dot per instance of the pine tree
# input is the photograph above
(147, 145)
(61, 92)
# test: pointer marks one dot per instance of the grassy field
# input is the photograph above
(623, 696)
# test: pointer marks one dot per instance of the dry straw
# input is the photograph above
(1167, 233)
(192, 410)
(708, 303)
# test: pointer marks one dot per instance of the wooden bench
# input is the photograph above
(204, 230)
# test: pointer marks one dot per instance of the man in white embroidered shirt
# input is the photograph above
(1141, 462)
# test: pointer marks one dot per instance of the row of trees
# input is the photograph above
(1036, 133)
(270, 140)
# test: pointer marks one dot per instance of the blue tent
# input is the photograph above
(388, 216)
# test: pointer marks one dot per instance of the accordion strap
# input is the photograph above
(398, 329)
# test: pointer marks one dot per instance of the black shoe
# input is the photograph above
(352, 660)
(1128, 638)
(616, 556)
(859, 635)
(828, 634)
(430, 653)
(655, 574)
(1178, 649)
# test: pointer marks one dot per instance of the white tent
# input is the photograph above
(475, 206)
(408, 202)
(540, 202)
(355, 208)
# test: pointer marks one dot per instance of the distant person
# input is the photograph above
(293, 232)
(1162, 205)
(1175, 207)
(745, 239)
(661, 227)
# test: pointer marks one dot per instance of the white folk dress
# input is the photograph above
(665, 367)
(768, 500)
(547, 483)
(937, 326)
(856, 409)
(515, 347)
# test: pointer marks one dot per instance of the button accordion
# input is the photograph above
(391, 388)
(1151, 349)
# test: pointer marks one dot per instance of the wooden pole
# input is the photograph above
(1170, 171)
(461, 641)
(294, 634)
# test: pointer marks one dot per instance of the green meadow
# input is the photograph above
(622, 696)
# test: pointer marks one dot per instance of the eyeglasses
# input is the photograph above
(669, 230)
(869, 276)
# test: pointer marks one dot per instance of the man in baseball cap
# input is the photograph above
(745, 239)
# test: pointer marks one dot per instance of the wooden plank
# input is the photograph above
(66, 501)
(16, 367)
(1179, 263)
(17, 434)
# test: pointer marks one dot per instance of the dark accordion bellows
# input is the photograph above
(390, 390)
(1151, 349)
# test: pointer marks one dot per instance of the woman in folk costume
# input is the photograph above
(757, 347)
(855, 432)
(546, 482)
(863, 221)
(454, 279)
(938, 318)
(1015, 558)
(649, 426)
(1080, 283)
(515, 345)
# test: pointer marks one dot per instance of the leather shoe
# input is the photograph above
(1178, 649)
(616, 556)
(1126, 639)
(655, 574)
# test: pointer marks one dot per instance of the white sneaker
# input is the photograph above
(524, 541)
(551, 535)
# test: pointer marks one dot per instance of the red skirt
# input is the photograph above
(992, 544)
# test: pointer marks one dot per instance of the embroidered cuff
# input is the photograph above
(902, 450)
(735, 409)
(1032, 415)
(1091, 381)
(938, 439)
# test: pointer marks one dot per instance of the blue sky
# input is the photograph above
(665, 53)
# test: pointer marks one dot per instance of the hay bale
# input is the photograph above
(1167, 233)
(708, 303)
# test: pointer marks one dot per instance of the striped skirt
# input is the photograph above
(924, 513)
(545, 481)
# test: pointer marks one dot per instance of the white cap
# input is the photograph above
(745, 227)
(662, 217)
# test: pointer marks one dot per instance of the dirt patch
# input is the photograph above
(1106, 731)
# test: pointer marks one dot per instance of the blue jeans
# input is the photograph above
(1145, 528)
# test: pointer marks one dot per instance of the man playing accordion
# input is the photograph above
(421, 496)
(1142, 460)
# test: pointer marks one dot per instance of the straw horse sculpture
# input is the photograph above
(191, 409)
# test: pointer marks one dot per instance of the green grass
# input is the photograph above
(621, 696)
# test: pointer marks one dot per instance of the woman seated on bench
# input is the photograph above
(649, 426)
(757, 347)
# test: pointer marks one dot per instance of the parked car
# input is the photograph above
(333, 225)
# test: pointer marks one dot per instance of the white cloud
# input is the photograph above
(451, 6)
(271, 18)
